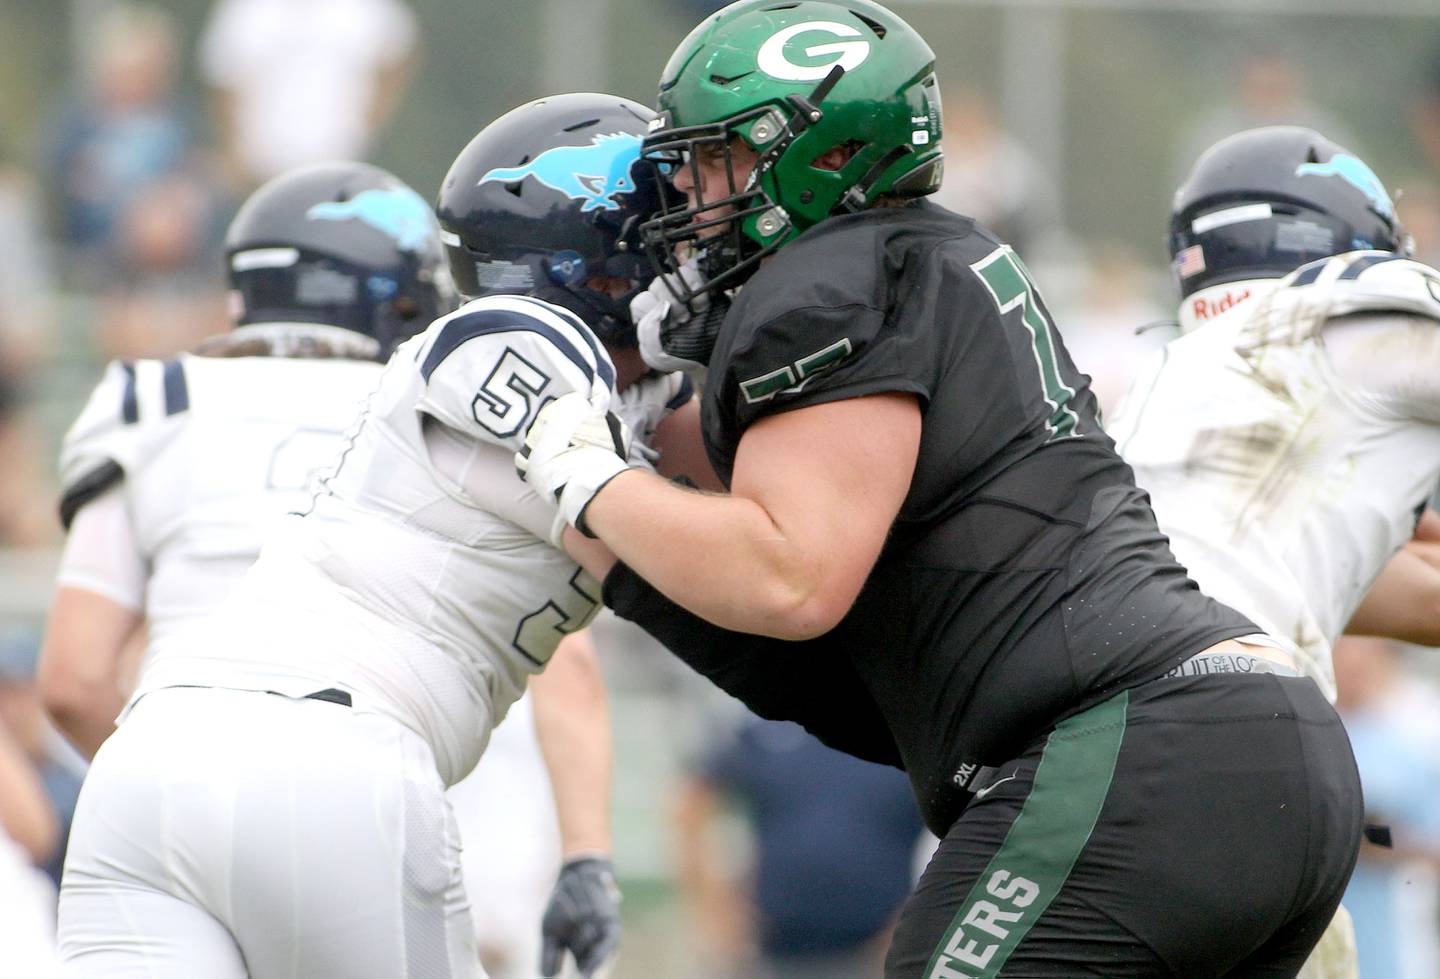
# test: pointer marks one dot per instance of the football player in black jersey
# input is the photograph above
(929, 552)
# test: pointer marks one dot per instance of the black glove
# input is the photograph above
(583, 916)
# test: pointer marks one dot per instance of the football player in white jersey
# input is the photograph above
(176, 469)
(271, 802)
(1290, 437)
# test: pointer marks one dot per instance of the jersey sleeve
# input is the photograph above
(127, 415)
(1391, 359)
(1379, 315)
(803, 682)
(102, 554)
(860, 328)
(491, 367)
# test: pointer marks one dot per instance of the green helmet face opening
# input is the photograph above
(835, 102)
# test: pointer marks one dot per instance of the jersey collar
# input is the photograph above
(1215, 302)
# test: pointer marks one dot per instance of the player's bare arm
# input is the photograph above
(82, 665)
(95, 634)
(1403, 603)
(572, 721)
(682, 453)
(785, 553)
(25, 813)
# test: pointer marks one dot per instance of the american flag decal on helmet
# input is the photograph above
(1190, 262)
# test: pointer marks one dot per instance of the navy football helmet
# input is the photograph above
(340, 244)
(1261, 203)
(548, 196)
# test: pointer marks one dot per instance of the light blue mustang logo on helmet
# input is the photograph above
(396, 211)
(1354, 172)
(593, 174)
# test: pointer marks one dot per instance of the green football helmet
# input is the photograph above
(794, 80)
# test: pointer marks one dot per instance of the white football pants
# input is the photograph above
(505, 809)
(227, 833)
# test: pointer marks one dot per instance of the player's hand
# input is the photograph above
(583, 917)
(644, 404)
(570, 452)
(673, 337)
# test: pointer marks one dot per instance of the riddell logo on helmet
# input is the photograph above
(847, 54)
(1205, 309)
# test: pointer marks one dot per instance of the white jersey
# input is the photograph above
(1291, 436)
(204, 453)
(420, 579)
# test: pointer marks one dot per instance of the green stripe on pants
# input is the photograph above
(1071, 783)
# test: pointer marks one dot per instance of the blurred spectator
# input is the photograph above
(834, 842)
(27, 514)
(25, 283)
(27, 837)
(992, 178)
(1100, 324)
(138, 210)
(121, 130)
(1394, 725)
(165, 295)
(1270, 91)
(304, 81)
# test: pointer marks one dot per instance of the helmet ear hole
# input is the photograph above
(837, 156)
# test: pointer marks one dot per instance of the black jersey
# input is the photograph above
(1025, 578)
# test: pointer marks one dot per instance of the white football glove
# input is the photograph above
(664, 326)
(570, 452)
(642, 406)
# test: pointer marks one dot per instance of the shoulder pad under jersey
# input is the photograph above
(127, 414)
(490, 366)
(1364, 282)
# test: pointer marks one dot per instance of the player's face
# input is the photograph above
(611, 285)
(716, 171)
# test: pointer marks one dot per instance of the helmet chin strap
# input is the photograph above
(857, 198)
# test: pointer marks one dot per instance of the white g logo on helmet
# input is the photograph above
(848, 54)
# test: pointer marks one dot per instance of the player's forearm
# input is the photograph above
(1403, 603)
(722, 557)
(87, 724)
(25, 813)
(572, 722)
(81, 696)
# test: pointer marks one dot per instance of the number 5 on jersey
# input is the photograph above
(506, 400)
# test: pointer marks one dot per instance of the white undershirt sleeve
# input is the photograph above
(102, 554)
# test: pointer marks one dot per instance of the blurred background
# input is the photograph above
(129, 131)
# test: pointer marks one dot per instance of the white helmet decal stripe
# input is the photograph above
(848, 54)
